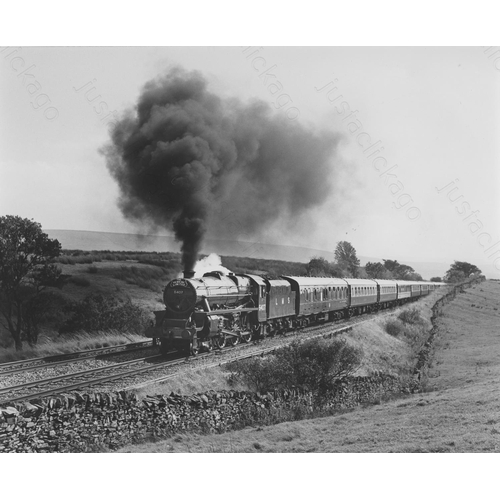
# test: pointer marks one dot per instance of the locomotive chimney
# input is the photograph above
(188, 274)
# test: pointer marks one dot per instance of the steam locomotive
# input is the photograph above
(218, 309)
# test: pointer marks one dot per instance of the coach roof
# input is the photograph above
(307, 281)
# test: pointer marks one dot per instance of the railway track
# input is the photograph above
(85, 378)
(118, 371)
(61, 359)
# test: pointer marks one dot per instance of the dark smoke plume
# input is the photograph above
(188, 160)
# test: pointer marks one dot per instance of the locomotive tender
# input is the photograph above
(218, 309)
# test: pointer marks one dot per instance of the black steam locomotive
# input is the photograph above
(218, 310)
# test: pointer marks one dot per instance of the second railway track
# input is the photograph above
(59, 359)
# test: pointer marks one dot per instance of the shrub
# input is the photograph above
(79, 281)
(92, 270)
(410, 316)
(394, 327)
(314, 365)
(101, 312)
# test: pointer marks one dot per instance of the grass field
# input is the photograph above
(459, 413)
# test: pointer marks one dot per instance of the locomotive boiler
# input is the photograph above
(207, 312)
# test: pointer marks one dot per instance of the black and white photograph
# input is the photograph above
(218, 248)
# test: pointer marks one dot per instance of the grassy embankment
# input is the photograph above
(460, 412)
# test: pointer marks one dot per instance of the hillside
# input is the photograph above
(93, 240)
(458, 413)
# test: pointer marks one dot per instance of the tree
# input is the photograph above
(454, 276)
(345, 256)
(376, 270)
(400, 271)
(26, 268)
(319, 266)
(436, 279)
(460, 271)
(414, 277)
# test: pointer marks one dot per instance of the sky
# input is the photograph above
(432, 111)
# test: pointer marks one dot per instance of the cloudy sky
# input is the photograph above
(432, 111)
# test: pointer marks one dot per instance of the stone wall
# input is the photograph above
(82, 422)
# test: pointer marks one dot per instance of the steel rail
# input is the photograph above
(88, 383)
(46, 381)
(67, 361)
(75, 356)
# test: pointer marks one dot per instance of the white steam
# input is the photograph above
(210, 263)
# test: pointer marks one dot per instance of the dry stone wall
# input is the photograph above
(92, 422)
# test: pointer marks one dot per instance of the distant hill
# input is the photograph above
(95, 240)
